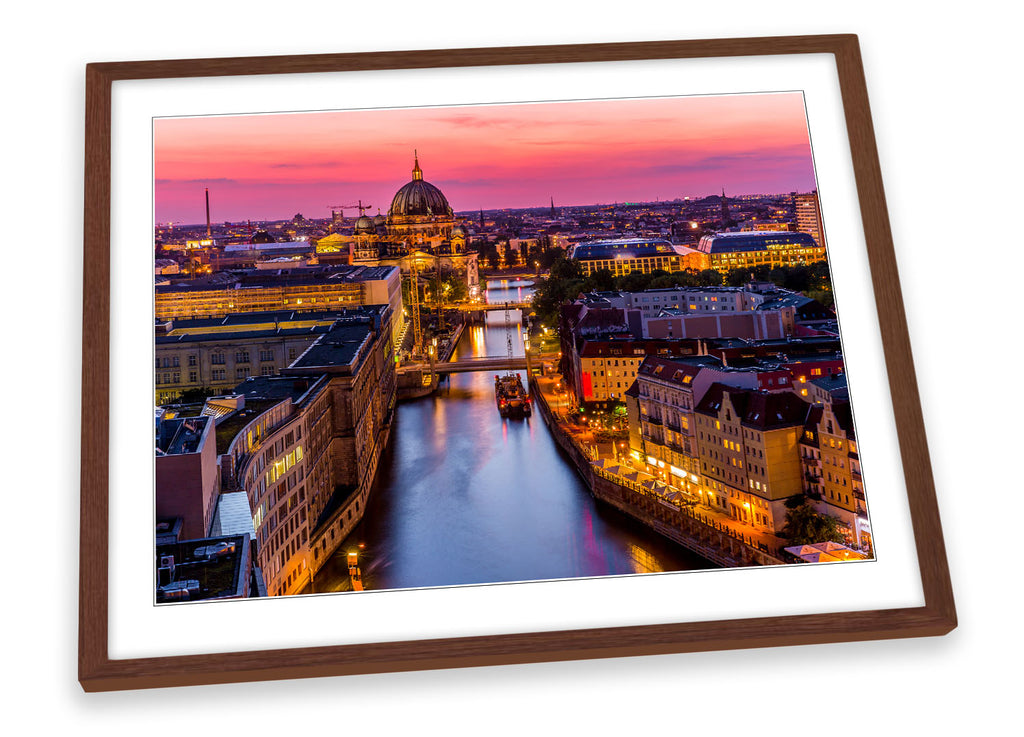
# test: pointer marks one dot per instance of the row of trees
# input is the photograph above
(566, 282)
(543, 251)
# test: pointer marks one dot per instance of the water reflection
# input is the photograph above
(464, 496)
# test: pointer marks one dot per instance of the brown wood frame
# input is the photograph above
(97, 672)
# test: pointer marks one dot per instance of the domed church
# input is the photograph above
(420, 214)
(419, 227)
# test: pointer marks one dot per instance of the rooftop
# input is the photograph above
(232, 425)
(232, 516)
(269, 278)
(180, 435)
(754, 241)
(626, 248)
(340, 346)
(759, 409)
(209, 568)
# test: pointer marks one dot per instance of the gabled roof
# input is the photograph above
(772, 410)
(757, 409)
(714, 398)
(681, 371)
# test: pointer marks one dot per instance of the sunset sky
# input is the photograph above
(269, 167)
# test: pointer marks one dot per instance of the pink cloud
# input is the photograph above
(271, 166)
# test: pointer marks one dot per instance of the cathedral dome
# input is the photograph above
(365, 224)
(419, 198)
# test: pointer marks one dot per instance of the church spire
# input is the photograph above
(417, 173)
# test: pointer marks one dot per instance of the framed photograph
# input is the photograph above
(490, 356)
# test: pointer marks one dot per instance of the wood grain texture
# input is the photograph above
(98, 672)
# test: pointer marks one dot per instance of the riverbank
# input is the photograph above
(669, 513)
(417, 384)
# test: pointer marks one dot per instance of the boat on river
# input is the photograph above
(510, 396)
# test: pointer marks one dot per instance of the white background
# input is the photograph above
(942, 87)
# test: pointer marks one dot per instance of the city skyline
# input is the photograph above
(271, 166)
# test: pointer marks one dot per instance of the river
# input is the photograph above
(466, 497)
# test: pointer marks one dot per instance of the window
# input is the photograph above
(241, 373)
(218, 375)
(266, 355)
(217, 359)
(242, 357)
(192, 377)
(192, 360)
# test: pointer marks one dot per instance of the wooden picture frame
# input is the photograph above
(99, 672)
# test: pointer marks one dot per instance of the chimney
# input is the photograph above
(209, 232)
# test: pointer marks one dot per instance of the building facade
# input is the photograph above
(218, 353)
(304, 448)
(749, 459)
(831, 466)
(808, 216)
(744, 250)
(635, 255)
(187, 473)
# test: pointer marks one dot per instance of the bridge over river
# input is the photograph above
(478, 363)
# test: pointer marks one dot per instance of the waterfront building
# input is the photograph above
(808, 216)
(606, 368)
(643, 255)
(831, 469)
(302, 447)
(747, 443)
(219, 352)
(744, 250)
(668, 389)
(666, 398)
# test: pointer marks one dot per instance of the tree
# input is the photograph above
(602, 280)
(709, 278)
(196, 395)
(662, 282)
(804, 526)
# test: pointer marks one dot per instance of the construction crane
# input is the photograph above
(414, 308)
(341, 208)
(508, 334)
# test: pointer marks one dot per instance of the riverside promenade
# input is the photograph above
(675, 514)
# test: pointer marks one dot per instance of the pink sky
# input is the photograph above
(269, 167)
